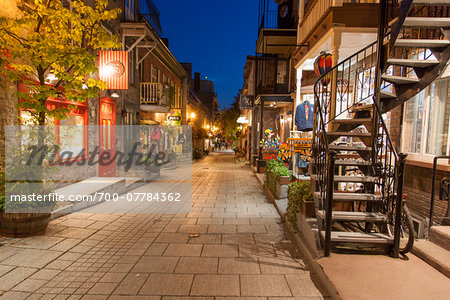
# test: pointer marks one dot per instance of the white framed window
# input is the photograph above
(426, 126)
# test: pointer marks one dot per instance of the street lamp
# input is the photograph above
(192, 115)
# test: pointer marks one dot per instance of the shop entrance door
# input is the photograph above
(107, 137)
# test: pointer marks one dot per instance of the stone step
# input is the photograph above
(341, 237)
(387, 95)
(400, 79)
(359, 179)
(431, 2)
(421, 43)
(349, 133)
(355, 216)
(434, 255)
(91, 187)
(440, 235)
(412, 62)
(351, 121)
(349, 148)
(426, 22)
(351, 197)
(347, 162)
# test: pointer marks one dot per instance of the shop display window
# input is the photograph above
(426, 122)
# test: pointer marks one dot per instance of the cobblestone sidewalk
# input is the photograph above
(240, 252)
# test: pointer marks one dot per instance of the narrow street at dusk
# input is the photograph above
(225, 150)
(231, 245)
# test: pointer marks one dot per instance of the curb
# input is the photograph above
(309, 260)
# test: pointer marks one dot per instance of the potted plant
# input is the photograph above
(271, 177)
(25, 191)
(22, 219)
(299, 201)
(284, 176)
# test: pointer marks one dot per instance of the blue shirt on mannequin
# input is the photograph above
(304, 115)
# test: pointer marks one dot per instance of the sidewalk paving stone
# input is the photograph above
(236, 265)
(264, 285)
(216, 285)
(167, 284)
(197, 265)
(240, 253)
(183, 250)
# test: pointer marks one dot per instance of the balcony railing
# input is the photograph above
(272, 75)
(150, 14)
(315, 10)
(154, 94)
(269, 20)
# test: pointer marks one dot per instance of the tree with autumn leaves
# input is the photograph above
(52, 50)
(227, 120)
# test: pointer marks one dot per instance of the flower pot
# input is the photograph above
(23, 224)
(284, 180)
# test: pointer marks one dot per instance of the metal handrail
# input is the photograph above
(436, 158)
(387, 163)
(385, 129)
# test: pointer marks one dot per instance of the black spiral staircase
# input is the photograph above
(357, 171)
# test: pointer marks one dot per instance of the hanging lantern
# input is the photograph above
(322, 65)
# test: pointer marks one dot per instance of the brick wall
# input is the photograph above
(417, 186)
(395, 129)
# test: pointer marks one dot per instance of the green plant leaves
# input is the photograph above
(298, 191)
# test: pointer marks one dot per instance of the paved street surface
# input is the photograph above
(240, 252)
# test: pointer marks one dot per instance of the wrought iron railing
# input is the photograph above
(269, 20)
(150, 14)
(352, 84)
(323, 160)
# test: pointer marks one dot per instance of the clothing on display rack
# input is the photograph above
(155, 134)
(304, 115)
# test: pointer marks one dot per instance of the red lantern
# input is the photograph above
(322, 65)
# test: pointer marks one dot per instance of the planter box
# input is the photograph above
(307, 209)
(284, 180)
(23, 224)
(261, 166)
(281, 191)
(267, 155)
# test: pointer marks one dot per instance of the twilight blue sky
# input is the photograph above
(215, 35)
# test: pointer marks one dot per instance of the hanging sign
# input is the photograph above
(113, 69)
(174, 118)
(246, 101)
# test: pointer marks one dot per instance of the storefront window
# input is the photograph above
(413, 124)
(438, 117)
(71, 134)
(426, 121)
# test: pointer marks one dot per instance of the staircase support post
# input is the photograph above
(336, 41)
(398, 204)
(378, 72)
(329, 202)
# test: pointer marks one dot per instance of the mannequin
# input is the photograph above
(304, 115)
